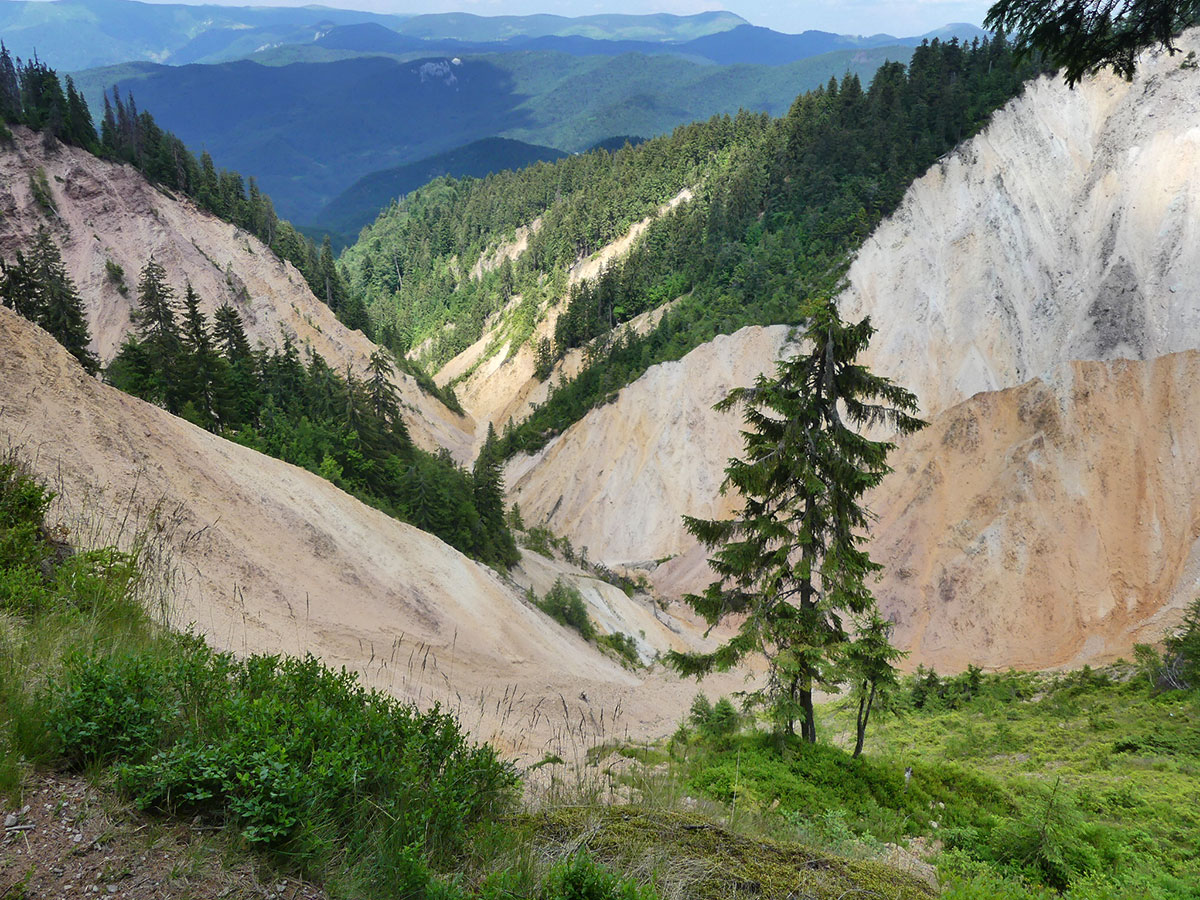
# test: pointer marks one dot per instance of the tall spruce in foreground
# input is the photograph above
(790, 562)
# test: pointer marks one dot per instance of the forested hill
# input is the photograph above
(360, 203)
(779, 207)
(308, 129)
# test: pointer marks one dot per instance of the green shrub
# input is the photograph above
(301, 760)
(116, 274)
(579, 878)
(565, 605)
(623, 645)
(105, 709)
(39, 186)
(714, 720)
(539, 540)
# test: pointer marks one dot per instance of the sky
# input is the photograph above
(898, 17)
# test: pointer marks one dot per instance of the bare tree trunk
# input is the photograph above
(809, 727)
(864, 713)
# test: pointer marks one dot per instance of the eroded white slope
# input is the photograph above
(272, 558)
(110, 213)
(1065, 529)
(1068, 229)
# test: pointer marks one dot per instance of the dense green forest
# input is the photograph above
(412, 265)
(344, 426)
(779, 207)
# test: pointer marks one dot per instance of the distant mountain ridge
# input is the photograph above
(308, 131)
(749, 44)
(81, 34)
(84, 34)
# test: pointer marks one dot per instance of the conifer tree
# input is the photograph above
(331, 285)
(10, 89)
(18, 289)
(238, 392)
(380, 389)
(487, 479)
(108, 129)
(870, 669)
(201, 373)
(229, 335)
(790, 562)
(1084, 36)
(58, 305)
(154, 318)
(79, 129)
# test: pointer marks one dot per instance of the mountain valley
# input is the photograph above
(556, 521)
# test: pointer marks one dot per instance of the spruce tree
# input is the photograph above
(790, 562)
(870, 669)
(58, 305)
(1084, 36)
(200, 372)
(238, 394)
(79, 129)
(10, 88)
(18, 289)
(380, 389)
(154, 318)
(229, 335)
(109, 140)
(487, 479)
(331, 289)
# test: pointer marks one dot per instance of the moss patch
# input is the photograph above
(689, 855)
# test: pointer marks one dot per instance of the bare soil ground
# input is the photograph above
(66, 839)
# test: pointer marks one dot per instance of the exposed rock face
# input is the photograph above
(271, 558)
(618, 480)
(1055, 523)
(1066, 230)
(1047, 516)
(110, 213)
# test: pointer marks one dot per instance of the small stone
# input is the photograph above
(77, 837)
(112, 889)
(10, 820)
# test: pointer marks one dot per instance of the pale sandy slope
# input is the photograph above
(275, 559)
(1066, 230)
(108, 212)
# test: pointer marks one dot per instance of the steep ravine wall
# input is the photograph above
(1069, 229)
(109, 213)
(1066, 231)
(270, 558)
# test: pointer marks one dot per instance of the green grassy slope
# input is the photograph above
(1080, 785)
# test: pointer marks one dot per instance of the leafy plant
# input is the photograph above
(39, 187)
(565, 605)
